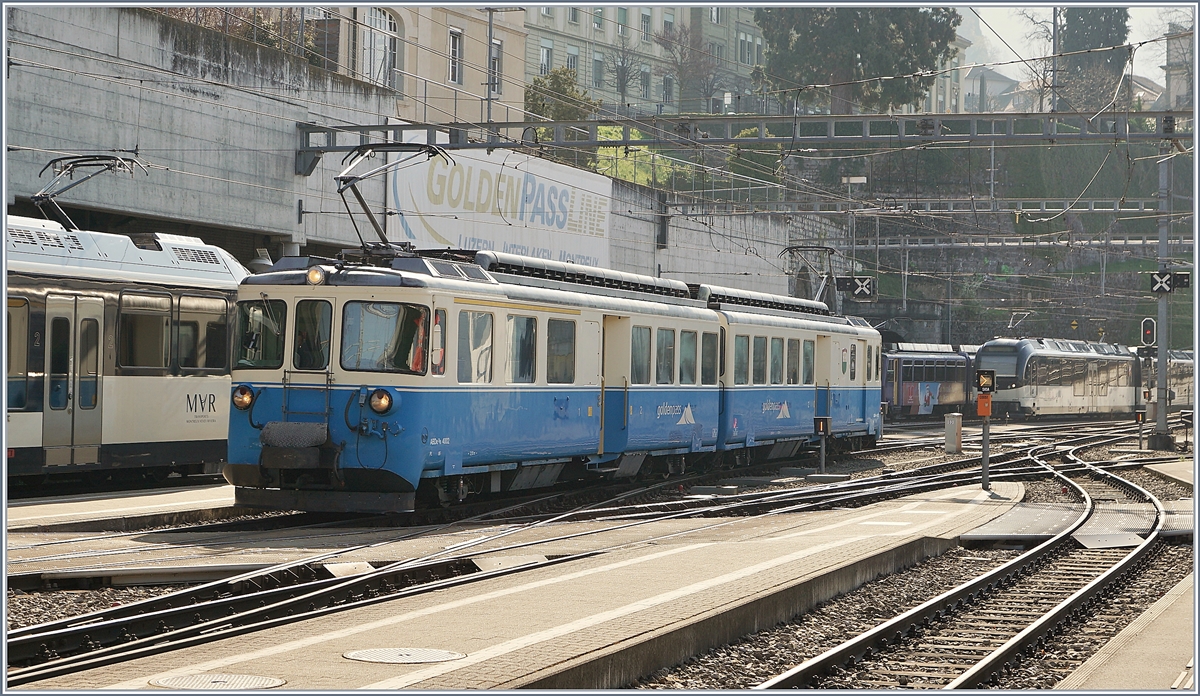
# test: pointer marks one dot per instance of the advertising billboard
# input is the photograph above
(505, 201)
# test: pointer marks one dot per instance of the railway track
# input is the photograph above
(970, 636)
(294, 591)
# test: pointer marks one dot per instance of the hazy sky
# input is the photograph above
(1145, 22)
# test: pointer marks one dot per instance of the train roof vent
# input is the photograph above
(196, 255)
(925, 347)
(716, 296)
(512, 264)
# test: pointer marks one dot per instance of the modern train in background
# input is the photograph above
(1035, 377)
(1046, 376)
(117, 352)
(364, 384)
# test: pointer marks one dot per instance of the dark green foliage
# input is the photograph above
(822, 45)
(1095, 27)
(556, 96)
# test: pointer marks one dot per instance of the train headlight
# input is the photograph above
(315, 275)
(381, 401)
(243, 396)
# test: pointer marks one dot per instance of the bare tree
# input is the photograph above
(695, 70)
(1039, 71)
(622, 65)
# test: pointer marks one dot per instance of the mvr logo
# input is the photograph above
(202, 403)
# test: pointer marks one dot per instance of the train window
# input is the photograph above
(776, 361)
(809, 362)
(188, 331)
(721, 349)
(891, 369)
(760, 359)
(639, 351)
(384, 337)
(145, 330)
(853, 360)
(208, 350)
(18, 346)
(741, 359)
(906, 371)
(437, 343)
(310, 345)
(687, 357)
(474, 347)
(870, 361)
(709, 352)
(878, 359)
(560, 351)
(522, 350)
(89, 362)
(259, 337)
(793, 361)
(940, 371)
(664, 364)
(60, 362)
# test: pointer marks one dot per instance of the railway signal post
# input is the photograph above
(822, 425)
(985, 384)
(1139, 416)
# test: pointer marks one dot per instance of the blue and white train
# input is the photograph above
(367, 383)
(117, 352)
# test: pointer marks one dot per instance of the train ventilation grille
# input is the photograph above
(196, 255)
(47, 240)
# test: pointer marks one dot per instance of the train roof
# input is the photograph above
(1061, 347)
(44, 247)
(426, 268)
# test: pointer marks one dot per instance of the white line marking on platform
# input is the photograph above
(595, 619)
(888, 524)
(219, 663)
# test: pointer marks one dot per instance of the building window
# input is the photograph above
(547, 11)
(758, 50)
(456, 56)
(645, 25)
(546, 57)
(496, 76)
(668, 89)
(716, 15)
(573, 59)
(645, 83)
(745, 48)
(573, 15)
(380, 43)
(622, 20)
(597, 70)
(668, 22)
(598, 19)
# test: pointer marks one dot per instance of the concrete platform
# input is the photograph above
(595, 623)
(1153, 652)
(123, 510)
(1180, 472)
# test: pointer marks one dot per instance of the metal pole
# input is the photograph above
(986, 428)
(822, 453)
(1054, 60)
(904, 277)
(876, 250)
(1162, 439)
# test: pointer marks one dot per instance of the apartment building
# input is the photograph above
(617, 59)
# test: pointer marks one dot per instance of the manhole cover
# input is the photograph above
(403, 656)
(204, 682)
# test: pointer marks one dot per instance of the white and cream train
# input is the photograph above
(117, 351)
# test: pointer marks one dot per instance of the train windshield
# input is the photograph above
(1002, 360)
(259, 340)
(384, 337)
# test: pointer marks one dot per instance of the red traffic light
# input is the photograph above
(1149, 331)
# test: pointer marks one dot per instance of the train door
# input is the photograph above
(1093, 390)
(824, 374)
(860, 380)
(306, 394)
(72, 425)
(614, 384)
